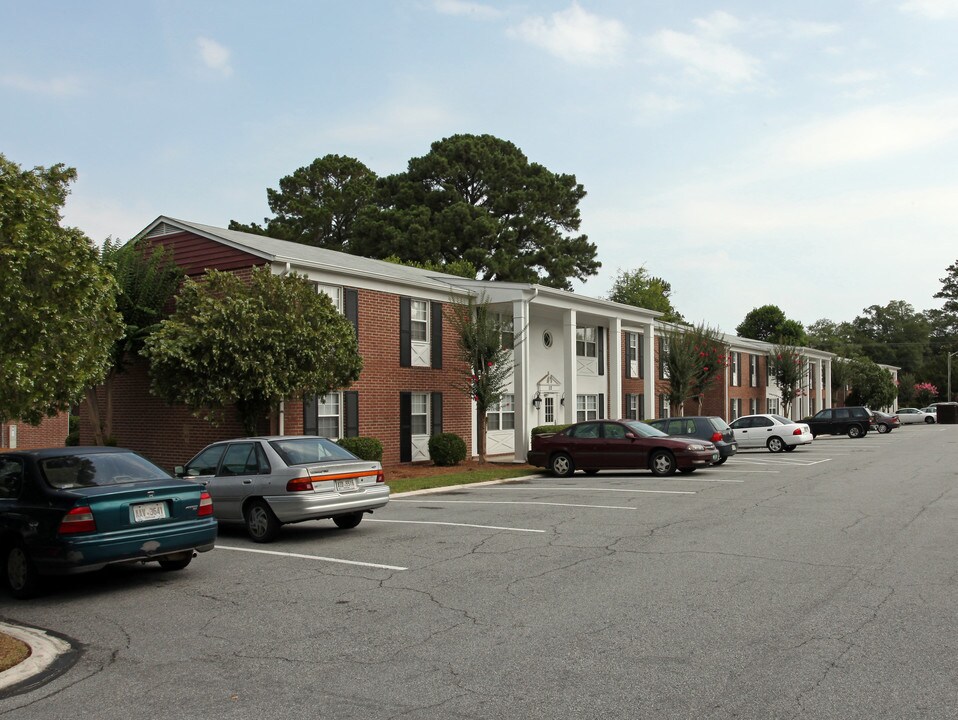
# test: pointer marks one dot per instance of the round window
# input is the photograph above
(547, 339)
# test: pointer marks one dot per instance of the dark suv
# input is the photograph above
(711, 428)
(851, 421)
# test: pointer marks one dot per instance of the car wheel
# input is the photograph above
(561, 465)
(720, 461)
(882, 429)
(662, 463)
(261, 523)
(177, 562)
(930, 420)
(775, 444)
(855, 431)
(22, 577)
(686, 471)
(790, 448)
(348, 521)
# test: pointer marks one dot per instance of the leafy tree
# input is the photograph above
(769, 323)
(462, 268)
(841, 377)
(925, 393)
(838, 338)
(319, 204)
(893, 334)
(789, 368)
(59, 307)
(479, 337)
(639, 289)
(949, 293)
(146, 286)
(906, 389)
(872, 385)
(478, 198)
(250, 344)
(695, 358)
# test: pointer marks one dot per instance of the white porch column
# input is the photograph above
(828, 383)
(569, 368)
(615, 369)
(648, 361)
(521, 382)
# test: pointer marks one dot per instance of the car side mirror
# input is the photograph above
(631, 436)
(178, 471)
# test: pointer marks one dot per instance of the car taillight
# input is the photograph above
(797, 431)
(716, 436)
(78, 520)
(380, 476)
(206, 505)
(300, 484)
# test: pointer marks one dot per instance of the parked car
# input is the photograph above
(910, 416)
(775, 432)
(78, 509)
(266, 482)
(884, 422)
(618, 445)
(931, 410)
(711, 428)
(853, 421)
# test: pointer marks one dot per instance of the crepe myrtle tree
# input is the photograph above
(788, 369)
(480, 336)
(250, 345)
(694, 358)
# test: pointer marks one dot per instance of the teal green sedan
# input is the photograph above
(72, 510)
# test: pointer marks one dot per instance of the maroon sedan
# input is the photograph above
(618, 445)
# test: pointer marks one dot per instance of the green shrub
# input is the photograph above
(544, 429)
(447, 449)
(365, 448)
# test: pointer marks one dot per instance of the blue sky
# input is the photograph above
(803, 154)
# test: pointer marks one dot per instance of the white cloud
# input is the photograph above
(469, 9)
(575, 35)
(806, 29)
(652, 108)
(708, 60)
(56, 87)
(934, 9)
(216, 57)
(854, 77)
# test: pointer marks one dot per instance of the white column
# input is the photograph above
(648, 360)
(828, 383)
(569, 369)
(615, 369)
(521, 382)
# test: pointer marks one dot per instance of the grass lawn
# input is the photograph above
(422, 476)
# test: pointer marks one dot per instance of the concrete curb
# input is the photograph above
(50, 656)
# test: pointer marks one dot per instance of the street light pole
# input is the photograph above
(950, 355)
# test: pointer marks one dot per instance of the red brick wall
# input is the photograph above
(743, 390)
(51, 432)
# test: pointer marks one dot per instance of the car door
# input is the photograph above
(620, 451)
(741, 429)
(240, 475)
(761, 430)
(585, 446)
(821, 423)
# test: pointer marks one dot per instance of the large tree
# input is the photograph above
(319, 204)
(770, 324)
(695, 358)
(59, 317)
(893, 334)
(638, 288)
(250, 345)
(479, 199)
(789, 368)
(871, 385)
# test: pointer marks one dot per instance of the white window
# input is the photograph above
(322, 415)
(419, 328)
(334, 292)
(664, 351)
(772, 404)
(586, 407)
(632, 361)
(664, 409)
(735, 408)
(736, 360)
(507, 335)
(753, 406)
(503, 415)
(633, 409)
(550, 405)
(753, 370)
(420, 413)
(585, 342)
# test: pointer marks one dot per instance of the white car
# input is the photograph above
(914, 415)
(774, 432)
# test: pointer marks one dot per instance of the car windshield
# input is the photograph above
(67, 472)
(783, 420)
(309, 451)
(643, 430)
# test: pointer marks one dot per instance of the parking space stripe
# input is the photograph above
(434, 501)
(591, 489)
(453, 524)
(310, 557)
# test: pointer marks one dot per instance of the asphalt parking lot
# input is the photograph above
(811, 584)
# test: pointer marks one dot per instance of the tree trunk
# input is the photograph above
(481, 437)
(94, 408)
(108, 397)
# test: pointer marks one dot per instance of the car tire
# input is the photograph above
(720, 461)
(790, 448)
(22, 577)
(775, 444)
(855, 431)
(261, 523)
(882, 429)
(662, 463)
(177, 562)
(686, 471)
(561, 465)
(930, 420)
(348, 521)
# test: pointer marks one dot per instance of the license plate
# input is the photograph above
(346, 485)
(149, 511)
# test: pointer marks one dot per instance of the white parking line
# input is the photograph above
(518, 502)
(794, 463)
(589, 489)
(310, 557)
(435, 522)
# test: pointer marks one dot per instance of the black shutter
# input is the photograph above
(600, 341)
(351, 413)
(436, 413)
(641, 406)
(601, 406)
(405, 332)
(405, 426)
(351, 307)
(310, 419)
(641, 356)
(435, 354)
(626, 406)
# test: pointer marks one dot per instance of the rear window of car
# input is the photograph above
(643, 430)
(782, 419)
(67, 472)
(718, 423)
(309, 451)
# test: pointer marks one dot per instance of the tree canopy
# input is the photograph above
(871, 385)
(789, 368)
(251, 345)
(695, 359)
(770, 324)
(59, 307)
(638, 288)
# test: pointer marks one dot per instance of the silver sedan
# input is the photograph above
(266, 482)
